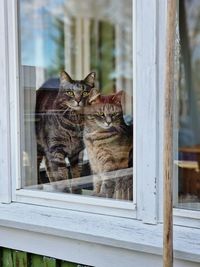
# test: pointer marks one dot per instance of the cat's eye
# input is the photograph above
(101, 114)
(70, 93)
(86, 93)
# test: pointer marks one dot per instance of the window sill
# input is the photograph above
(86, 238)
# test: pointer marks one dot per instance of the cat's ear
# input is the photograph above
(90, 79)
(118, 97)
(64, 76)
(94, 96)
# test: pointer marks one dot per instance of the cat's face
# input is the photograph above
(105, 112)
(73, 93)
(104, 116)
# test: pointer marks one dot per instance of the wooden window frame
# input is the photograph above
(12, 130)
(57, 220)
(145, 164)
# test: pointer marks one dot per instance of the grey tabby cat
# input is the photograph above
(59, 125)
(109, 143)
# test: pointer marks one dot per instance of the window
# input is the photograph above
(54, 220)
(26, 79)
(73, 139)
(186, 134)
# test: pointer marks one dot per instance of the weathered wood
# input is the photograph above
(6, 257)
(168, 146)
(20, 259)
(49, 262)
(68, 264)
(145, 104)
(5, 166)
(1, 258)
(37, 261)
(13, 258)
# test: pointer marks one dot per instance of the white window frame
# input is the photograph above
(142, 111)
(74, 202)
(145, 168)
(68, 223)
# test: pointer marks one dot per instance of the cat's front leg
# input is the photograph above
(56, 169)
(96, 185)
(75, 172)
(107, 187)
(118, 190)
(39, 160)
(108, 182)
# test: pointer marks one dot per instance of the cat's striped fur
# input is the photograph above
(108, 142)
(59, 125)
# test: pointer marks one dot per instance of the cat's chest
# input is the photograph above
(114, 143)
(63, 130)
(96, 141)
(70, 123)
(64, 122)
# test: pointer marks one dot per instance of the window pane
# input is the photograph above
(76, 96)
(187, 162)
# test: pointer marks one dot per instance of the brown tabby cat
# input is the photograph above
(59, 125)
(108, 141)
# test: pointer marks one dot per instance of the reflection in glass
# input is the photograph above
(76, 81)
(187, 164)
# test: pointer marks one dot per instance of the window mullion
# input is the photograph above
(5, 181)
(146, 111)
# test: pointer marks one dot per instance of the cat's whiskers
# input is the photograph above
(67, 109)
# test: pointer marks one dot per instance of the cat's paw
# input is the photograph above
(102, 194)
(66, 190)
(94, 194)
(76, 190)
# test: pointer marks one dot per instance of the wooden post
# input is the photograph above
(169, 87)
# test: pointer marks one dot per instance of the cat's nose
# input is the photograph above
(108, 122)
(77, 97)
(78, 100)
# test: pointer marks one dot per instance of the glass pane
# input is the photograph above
(76, 96)
(187, 162)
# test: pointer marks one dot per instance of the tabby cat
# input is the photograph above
(59, 125)
(108, 141)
